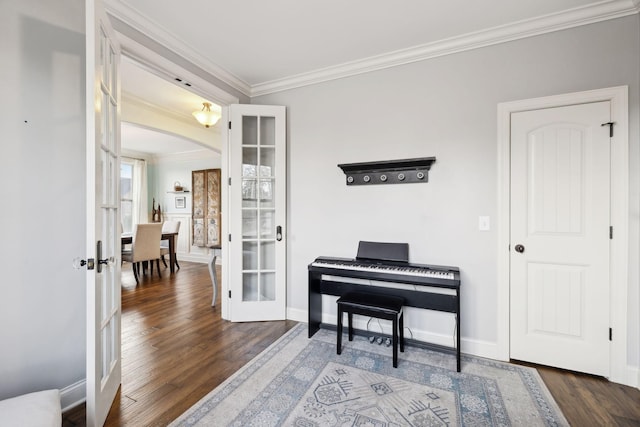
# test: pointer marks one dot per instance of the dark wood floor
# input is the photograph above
(176, 348)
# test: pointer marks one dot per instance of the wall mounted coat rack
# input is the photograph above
(388, 171)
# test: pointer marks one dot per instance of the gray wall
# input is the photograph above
(444, 107)
(42, 308)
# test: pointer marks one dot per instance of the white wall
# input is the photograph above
(42, 308)
(163, 172)
(444, 107)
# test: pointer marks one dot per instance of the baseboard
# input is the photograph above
(203, 259)
(297, 315)
(634, 376)
(631, 377)
(73, 395)
(472, 347)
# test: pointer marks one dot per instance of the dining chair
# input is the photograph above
(145, 247)
(169, 227)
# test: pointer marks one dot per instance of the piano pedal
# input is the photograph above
(387, 342)
(379, 340)
(372, 339)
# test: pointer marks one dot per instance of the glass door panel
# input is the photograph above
(258, 165)
(267, 131)
(269, 286)
(249, 130)
(249, 256)
(249, 224)
(268, 255)
(250, 287)
(267, 224)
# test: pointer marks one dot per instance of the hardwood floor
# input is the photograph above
(587, 400)
(176, 348)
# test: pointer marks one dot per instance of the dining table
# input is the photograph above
(127, 238)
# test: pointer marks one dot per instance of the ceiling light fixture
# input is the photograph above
(205, 116)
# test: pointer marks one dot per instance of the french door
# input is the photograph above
(257, 223)
(102, 194)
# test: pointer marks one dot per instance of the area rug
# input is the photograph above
(301, 382)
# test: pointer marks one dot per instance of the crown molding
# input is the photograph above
(162, 67)
(592, 13)
(589, 14)
(149, 28)
(158, 109)
(184, 156)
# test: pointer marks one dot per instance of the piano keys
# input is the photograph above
(432, 287)
(391, 268)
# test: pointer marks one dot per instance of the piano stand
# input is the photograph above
(372, 305)
(412, 298)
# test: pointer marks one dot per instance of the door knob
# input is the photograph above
(78, 263)
(100, 262)
(519, 248)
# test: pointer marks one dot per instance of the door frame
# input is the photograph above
(619, 204)
(168, 70)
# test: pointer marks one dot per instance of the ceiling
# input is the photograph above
(148, 89)
(258, 46)
(137, 139)
(261, 46)
(138, 82)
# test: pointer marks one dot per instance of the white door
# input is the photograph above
(103, 223)
(560, 196)
(257, 193)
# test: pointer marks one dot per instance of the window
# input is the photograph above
(126, 195)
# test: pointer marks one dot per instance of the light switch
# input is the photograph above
(484, 223)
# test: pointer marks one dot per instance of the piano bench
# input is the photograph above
(373, 305)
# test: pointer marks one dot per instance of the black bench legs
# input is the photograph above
(372, 305)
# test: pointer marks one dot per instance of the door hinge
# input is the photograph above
(229, 180)
(229, 237)
(610, 332)
(611, 232)
(229, 293)
(610, 124)
(229, 125)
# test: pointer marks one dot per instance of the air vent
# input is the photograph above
(179, 80)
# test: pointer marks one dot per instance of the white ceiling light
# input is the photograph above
(205, 116)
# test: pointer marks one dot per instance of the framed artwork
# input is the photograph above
(181, 202)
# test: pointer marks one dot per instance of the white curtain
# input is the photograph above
(140, 211)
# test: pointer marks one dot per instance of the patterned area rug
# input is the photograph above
(302, 382)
